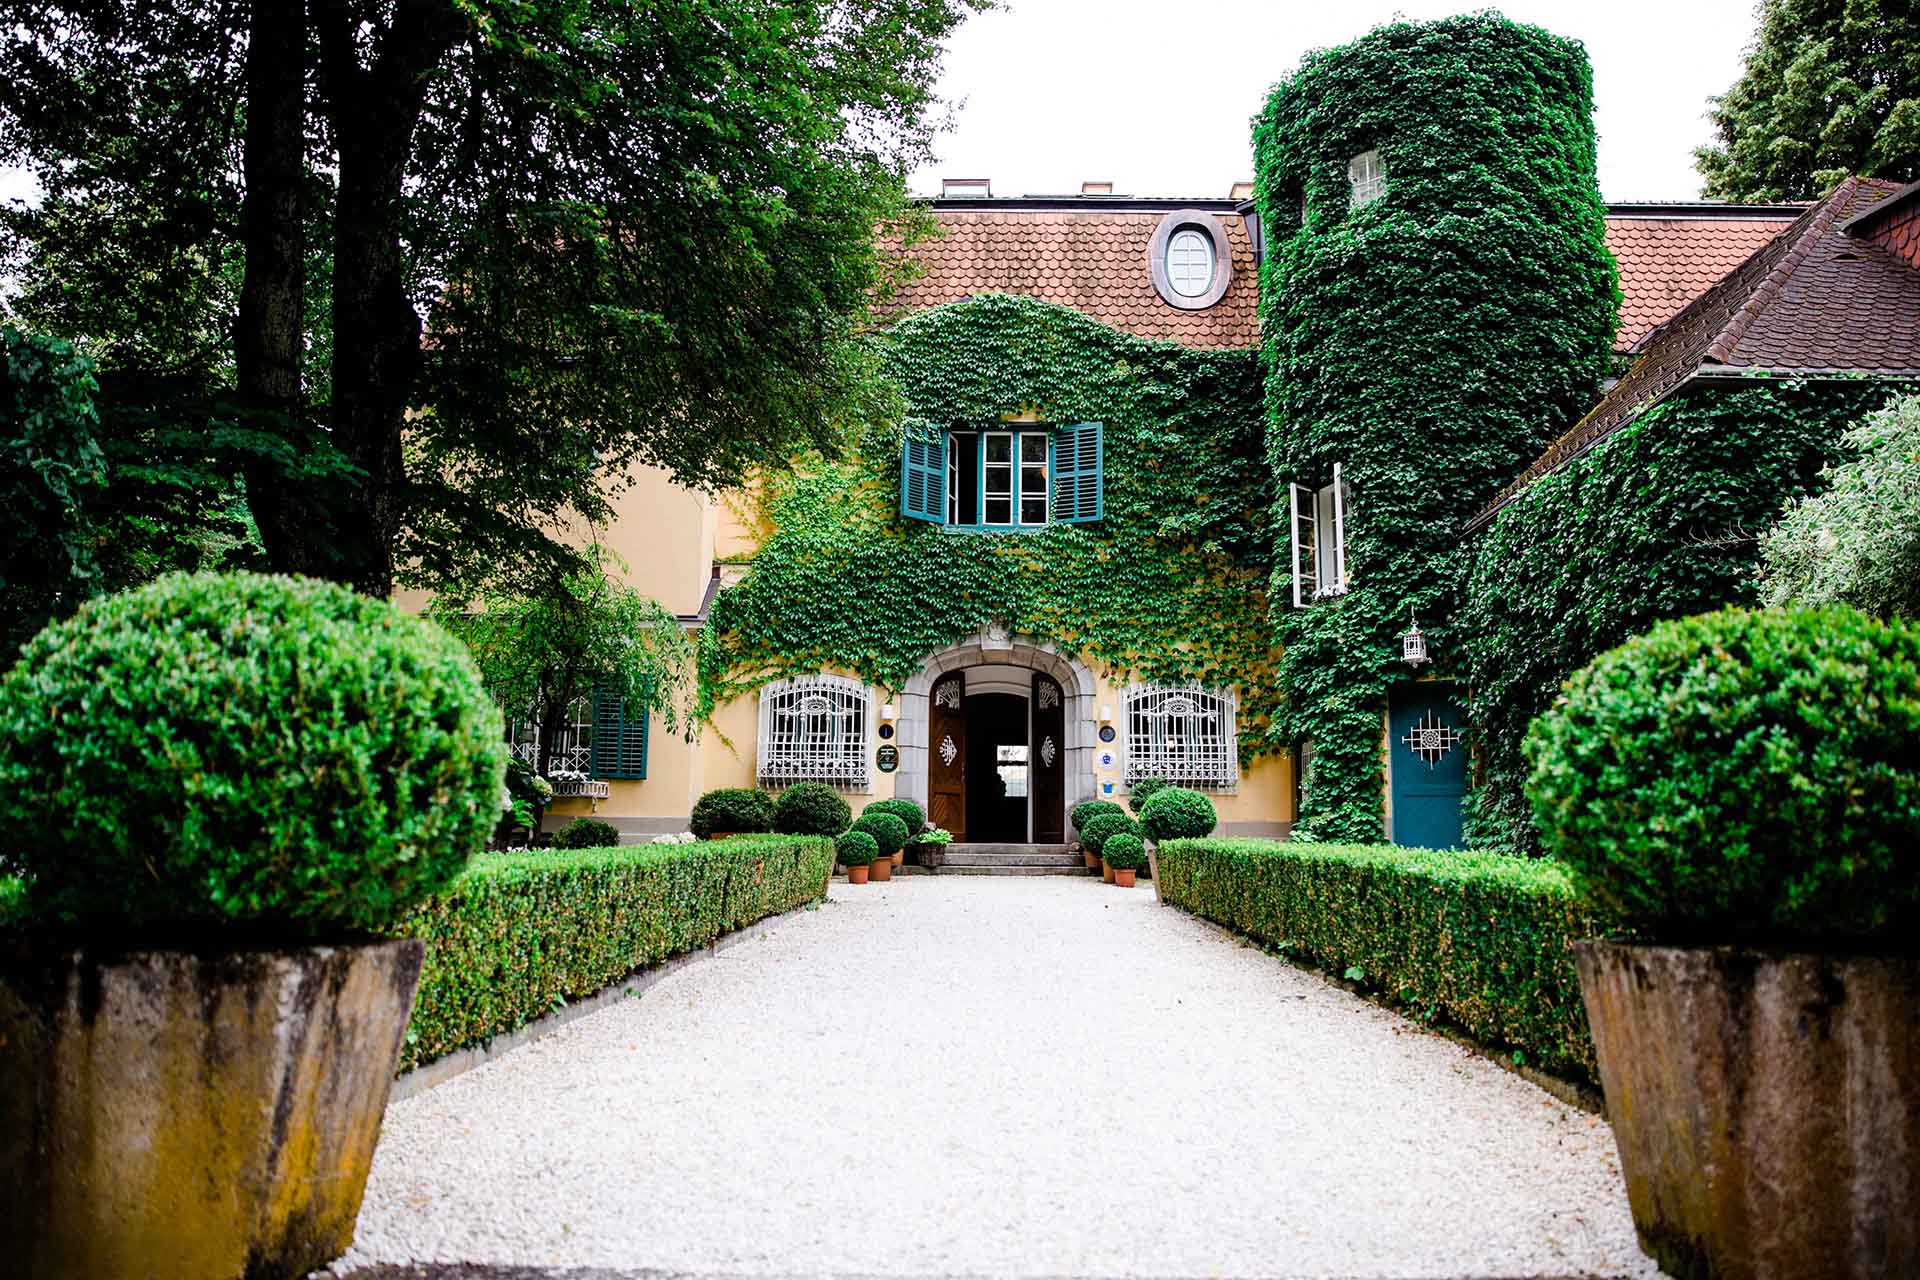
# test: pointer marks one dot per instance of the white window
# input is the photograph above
(572, 754)
(1319, 540)
(1190, 262)
(997, 480)
(1034, 484)
(1014, 479)
(814, 729)
(1368, 174)
(1183, 733)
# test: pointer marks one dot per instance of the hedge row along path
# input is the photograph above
(993, 1077)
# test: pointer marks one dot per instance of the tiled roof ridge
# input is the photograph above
(1819, 221)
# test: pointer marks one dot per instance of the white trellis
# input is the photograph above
(814, 729)
(1183, 733)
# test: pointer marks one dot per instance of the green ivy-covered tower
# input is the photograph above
(1438, 305)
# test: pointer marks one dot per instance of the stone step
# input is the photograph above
(996, 869)
(1013, 859)
(1005, 848)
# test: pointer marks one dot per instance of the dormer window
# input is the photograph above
(1189, 259)
(1018, 477)
(1190, 262)
(1367, 173)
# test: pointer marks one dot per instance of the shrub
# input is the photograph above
(888, 832)
(519, 935)
(857, 849)
(737, 809)
(242, 751)
(1742, 776)
(811, 809)
(1124, 851)
(1177, 814)
(906, 810)
(1087, 810)
(586, 833)
(1095, 834)
(1145, 790)
(934, 835)
(1482, 939)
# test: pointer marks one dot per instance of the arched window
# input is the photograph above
(814, 729)
(1190, 262)
(1183, 733)
(1368, 174)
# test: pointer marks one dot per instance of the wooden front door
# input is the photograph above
(947, 755)
(1047, 762)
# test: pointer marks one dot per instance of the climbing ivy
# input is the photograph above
(1431, 342)
(1661, 520)
(1170, 584)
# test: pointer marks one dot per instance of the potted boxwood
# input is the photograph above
(889, 834)
(909, 813)
(930, 847)
(222, 794)
(857, 852)
(1083, 813)
(1126, 853)
(732, 811)
(1742, 790)
(1098, 829)
(1174, 813)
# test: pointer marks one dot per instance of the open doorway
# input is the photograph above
(996, 767)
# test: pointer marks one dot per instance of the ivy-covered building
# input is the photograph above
(1169, 478)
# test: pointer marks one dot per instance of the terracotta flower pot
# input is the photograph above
(899, 857)
(1124, 877)
(1766, 1105)
(1106, 872)
(882, 870)
(1092, 858)
(857, 875)
(723, 835)
(164, 1113)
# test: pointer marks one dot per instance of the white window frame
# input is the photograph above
(953, 478)
(1021, 494)
(1185, 733)
(1319, 540)
(1183, 240)
(987, 469)
(1367, 175)
(814, 729)
(572, 754)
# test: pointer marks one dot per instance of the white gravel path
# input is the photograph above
(957, 1076)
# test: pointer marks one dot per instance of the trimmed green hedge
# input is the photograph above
(1482, 940)
(519, 935)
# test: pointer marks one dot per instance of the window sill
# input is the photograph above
(995, 528)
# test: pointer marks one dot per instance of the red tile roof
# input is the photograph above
(1667, 262)
(1814, 299)
(1094, 262)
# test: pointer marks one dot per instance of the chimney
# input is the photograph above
(1096, 188)
(1241, 191)
(965, 188)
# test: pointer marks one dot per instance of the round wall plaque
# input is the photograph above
(886, 731)
(1106, 759)
(887, 757)
(1106, 733)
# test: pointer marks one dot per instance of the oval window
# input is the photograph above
(1190, 262)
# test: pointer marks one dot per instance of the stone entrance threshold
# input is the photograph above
(1005, 860)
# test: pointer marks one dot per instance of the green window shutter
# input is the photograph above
(1078, 479)
(619, 743)
(923, 474)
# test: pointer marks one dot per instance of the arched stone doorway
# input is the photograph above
(995, 650)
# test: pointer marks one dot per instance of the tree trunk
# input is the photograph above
(270, 341)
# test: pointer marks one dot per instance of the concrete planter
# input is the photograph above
(165, 1114)
(930, 856)
(1766, 1105)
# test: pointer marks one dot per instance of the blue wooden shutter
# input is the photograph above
(923, 474)
(1078, 479)
(619, 743)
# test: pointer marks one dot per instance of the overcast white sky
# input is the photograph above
(1155, 95)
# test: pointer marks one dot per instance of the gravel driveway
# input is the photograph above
(964, 1077)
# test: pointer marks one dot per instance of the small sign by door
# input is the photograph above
(887, 758)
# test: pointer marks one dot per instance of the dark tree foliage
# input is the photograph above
(491, 255)
(1831, 87)
(1431, 341)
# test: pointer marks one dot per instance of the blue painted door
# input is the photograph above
(1428, 765)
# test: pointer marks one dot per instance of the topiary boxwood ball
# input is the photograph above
(734, 809)
(888, 832)
(811, 809)
(1087, 810)
(856, 849)
(1743, 777)
(1145, 790)
(587, 833)
(1177, 814)
(1124, 851)
(1095, 834)
(906, 810)
(267, 756)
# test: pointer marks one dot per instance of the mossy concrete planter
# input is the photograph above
(930, 855)
(165, 1114)
(1766, 1105)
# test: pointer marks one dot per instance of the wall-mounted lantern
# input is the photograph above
(1413, 645)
